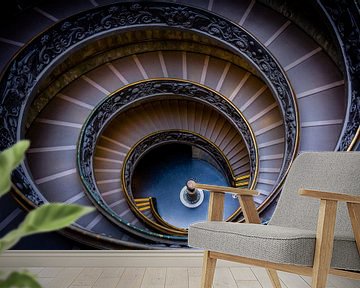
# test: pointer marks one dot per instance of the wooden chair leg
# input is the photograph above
(251, 216)
(354, 212)
(208, 271)
(274, 278)
(324, 243)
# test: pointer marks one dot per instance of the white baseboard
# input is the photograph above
(108, 258)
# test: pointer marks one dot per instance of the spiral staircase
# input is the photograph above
(98, 85)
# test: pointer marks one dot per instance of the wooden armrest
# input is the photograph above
(327, 214)
(330, 196)
(221, 189)
(216, 201)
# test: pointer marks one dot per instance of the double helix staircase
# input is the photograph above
(56, 116)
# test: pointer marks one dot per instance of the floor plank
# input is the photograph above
(154, 278)
(50, 272)
(194, 275)
(34, 270)
(248, 284)
(293, 280)
(177, 278)
(339, 282)
(242, 274)
(224, 278)
(112, 272)
(132, 277)
(87, 277)
(263, 278)
(45, 282)
(170, 277)
(108, 282)
(65, 278)
(309, 279)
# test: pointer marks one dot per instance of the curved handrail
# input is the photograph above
(344, 17)
(134, 93)
(20, 80)
(152, 141)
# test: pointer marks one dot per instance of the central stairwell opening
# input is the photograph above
(163, 173)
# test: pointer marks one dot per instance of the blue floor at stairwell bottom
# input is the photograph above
(164, 171)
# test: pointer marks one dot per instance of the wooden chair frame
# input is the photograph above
(324, 235)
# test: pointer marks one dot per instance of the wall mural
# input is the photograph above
(245, 120)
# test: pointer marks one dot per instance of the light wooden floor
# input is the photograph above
(176, 277)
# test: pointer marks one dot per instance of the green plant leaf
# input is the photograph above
(9, 160)
(10, 239)
(19, 280)
(46, 218)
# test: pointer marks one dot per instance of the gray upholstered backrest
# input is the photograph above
(326, 171)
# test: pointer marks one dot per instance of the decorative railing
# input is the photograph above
(154, 140)
(344, 17)
(146, 90)
(22, 77)
(19, 82)
(149, 203)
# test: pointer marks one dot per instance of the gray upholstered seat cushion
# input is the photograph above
(271, 243)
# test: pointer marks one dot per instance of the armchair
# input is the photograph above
(302, 237)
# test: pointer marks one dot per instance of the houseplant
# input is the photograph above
(46, 218)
